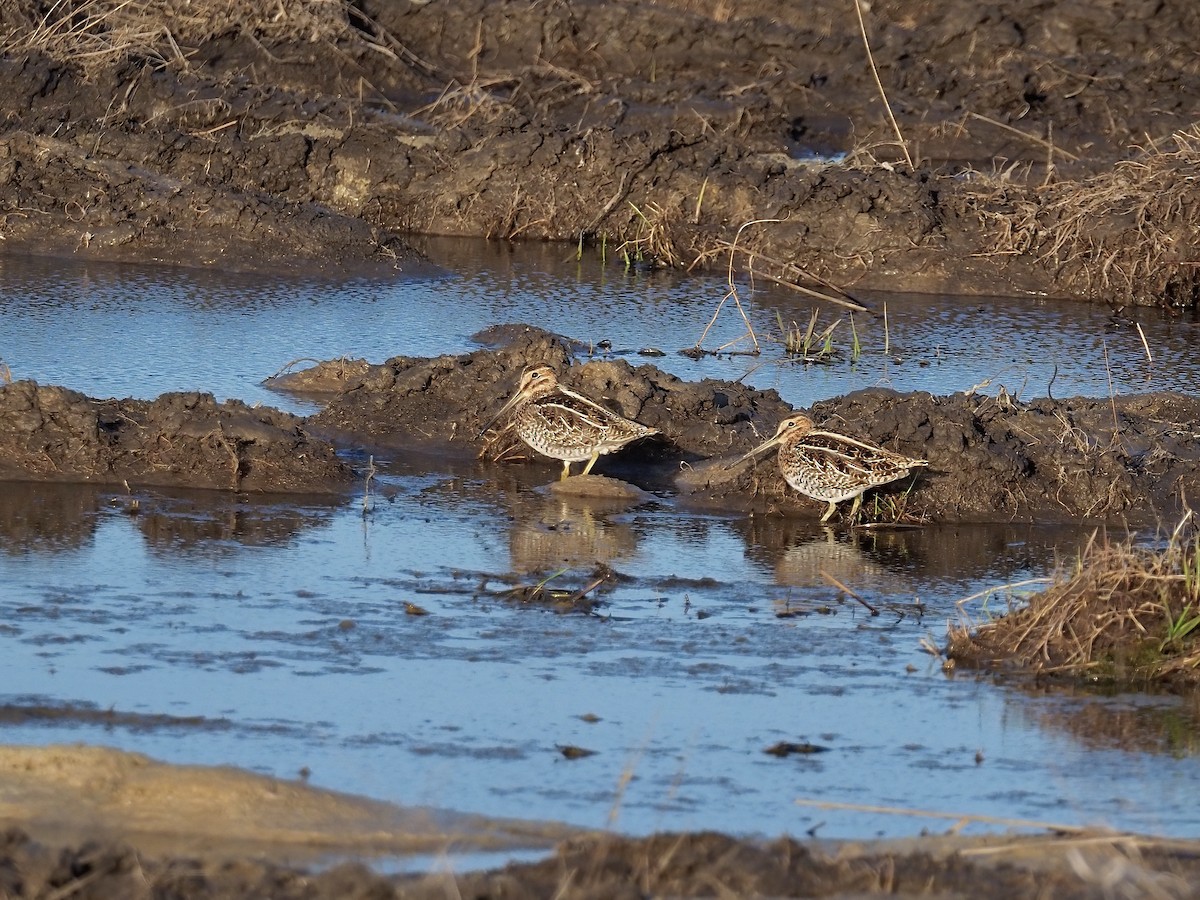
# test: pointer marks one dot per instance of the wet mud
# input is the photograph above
(56, 434)
(1127, 459)
(678, 865)
(324, 134)
(1130, 459)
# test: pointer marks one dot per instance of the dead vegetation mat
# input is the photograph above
(319, 133)
(1122, 612)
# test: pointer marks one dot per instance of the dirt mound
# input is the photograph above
(317, 133)
(1127, 459)
(55, 434)
(1130, 459)
(410, 402)
(1122, 612)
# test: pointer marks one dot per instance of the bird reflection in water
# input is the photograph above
(570, 533)
(824, 563)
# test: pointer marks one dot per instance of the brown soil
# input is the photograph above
(1131, 459)
(1045, 144)
(55, 434)
(101, 823)
(675, 865)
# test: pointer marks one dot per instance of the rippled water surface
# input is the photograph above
(387, 653)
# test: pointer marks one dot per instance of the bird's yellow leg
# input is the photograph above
(566, 472)
(591, 462)
(829, 512)
(854, 508)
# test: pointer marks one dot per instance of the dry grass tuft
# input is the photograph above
(95, 33)
(1124, 612)
(1125, 235)
(654, 239)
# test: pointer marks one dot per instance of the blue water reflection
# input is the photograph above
(286, 624)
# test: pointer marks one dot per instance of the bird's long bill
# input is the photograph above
(512, 401)
(765, 445)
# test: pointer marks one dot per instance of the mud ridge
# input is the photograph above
(1132, 459)
(322, 136)
(1127, 459)
(181, 439)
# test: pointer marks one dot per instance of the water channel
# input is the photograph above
(277, 633)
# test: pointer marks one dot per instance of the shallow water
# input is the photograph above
(279, 634)
(119, 330)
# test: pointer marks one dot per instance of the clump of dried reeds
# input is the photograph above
(1123, 611)
(1124, 234)
(653, 239)
(94, 33)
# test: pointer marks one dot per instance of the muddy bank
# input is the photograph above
(80, 793)
(695, 865)
(1123, 613)
(100, 823)
(320, 134)
(55, 434)
(1129, 459)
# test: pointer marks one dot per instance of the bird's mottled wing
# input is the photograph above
(852, 459)
(574, 412)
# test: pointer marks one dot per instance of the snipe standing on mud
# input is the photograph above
(829, 466)
(562, 424)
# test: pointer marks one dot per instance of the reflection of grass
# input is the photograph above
(564, 599)
(1122, 612)
(1105, 722)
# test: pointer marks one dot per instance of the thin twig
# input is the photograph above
(1029, 137)
(1145, 343)
(847, 299)
(1001, 587)
(367, 485)
(1112, 397)
(862, 25)
(610, 205)
(841, 587)
(732, 292)
(820, 295)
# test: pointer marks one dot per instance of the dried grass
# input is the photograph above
(1124, 235)
(95, 33)
(654, 237)
(1123, 611)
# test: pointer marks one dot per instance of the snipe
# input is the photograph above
(829, 466)
(559, 423)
